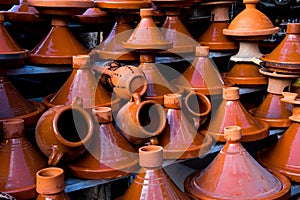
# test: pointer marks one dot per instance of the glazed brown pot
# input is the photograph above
(63, 131)
(19, 161)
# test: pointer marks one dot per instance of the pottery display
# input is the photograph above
(63, 132)
(232, 112)
(152, 181)
(20, 160)
(139, 120)
(285, 57)
(50, 184)
(234, 165)
(282, 156)
(82, 83)
(110, 155)
(180, 138)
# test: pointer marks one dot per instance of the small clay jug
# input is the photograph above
(50, 184)
(152, 182)
(140, 120)
(63, 131)
(19, 161)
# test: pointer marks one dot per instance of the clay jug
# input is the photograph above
(152, 182)
(50, 184)
(19, 161)
(141, 120)
(63, 131)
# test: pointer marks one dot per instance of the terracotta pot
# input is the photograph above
(62, 132)
(180, 138)
(152, 182)
(122, 5)
(110, 155)
(282, 156)
(50, 184)
(235, 165)
(140, 120)
(232, 112)
(19, 161)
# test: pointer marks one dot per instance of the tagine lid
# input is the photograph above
(94, 16)
(249, 180)
(122, 4)
(250, 22)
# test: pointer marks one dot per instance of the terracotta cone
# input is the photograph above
(285, 57)
(283, 155)
(234, 165)
(19, 161)
(81, 83)
(94, 16)
(110, 154)
(152, 181)
(232, 112)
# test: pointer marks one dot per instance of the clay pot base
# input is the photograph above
(276, 123)
(287, 68)
(246, 80)
(119, 56)
(23, 17)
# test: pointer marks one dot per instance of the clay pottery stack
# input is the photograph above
(213, 37)
(272, 109)
(232, 112)
(234, 165)
(64, 131)
(59, 45)
(152, 182)
(110, 154)
(19, 161)
(124, 12)
(147, 40)
(50, 184)
(180, 138)
(283, 155)
(245, 29)
(285, 57)
(82, 83)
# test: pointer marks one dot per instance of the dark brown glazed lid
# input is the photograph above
(234, 165)
(285, 57)
(250, 22)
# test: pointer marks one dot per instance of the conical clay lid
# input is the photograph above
(234, 165)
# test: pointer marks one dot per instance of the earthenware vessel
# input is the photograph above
(50, 184)
(249, 180)
(81, 83)
(272, 109)
(282, 156)
(232, 112)
(180, 138)
(63, 132)
(110, 154)
(139, 120)
(152, 182)
(20, 160)
(285, 57)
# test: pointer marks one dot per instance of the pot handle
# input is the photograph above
(55, 156)
(204, 99)
(136, 98)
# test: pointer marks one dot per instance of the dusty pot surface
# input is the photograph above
(19, 161)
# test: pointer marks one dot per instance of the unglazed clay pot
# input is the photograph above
(283, 155)
(19, 161)
(152, 182)
(50, 184)
(232, 112)
(141, 120)
(63, 131)
(110, 155)
(234, 165)
(180, 138)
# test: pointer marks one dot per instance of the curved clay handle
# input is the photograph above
(55, 156)
(203, 99)
(136, 98)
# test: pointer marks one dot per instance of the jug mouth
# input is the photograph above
(73, 126)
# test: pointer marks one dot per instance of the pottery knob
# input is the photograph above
(13, 128)
(151, 156)
(202, 51)
(174, 12)
(250, 1)
(58, 22)
(293, 28)
(2, 17)
(172, 101)
(231, 93)
(103, 114)
(81, 62)
(232, 133)
(289, 97)
(50, 180)
(146, 12)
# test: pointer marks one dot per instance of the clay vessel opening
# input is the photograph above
(150, 117)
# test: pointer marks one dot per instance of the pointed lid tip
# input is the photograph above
(232, 133)
(151, 156)
(202, 51)
(293, 28)
(146, 12)
(50, 180)
(102, 114)
(231, 93)
(172, 101)
(81, 61)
